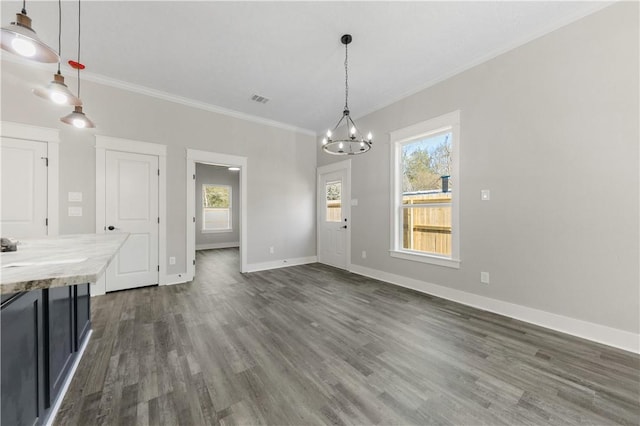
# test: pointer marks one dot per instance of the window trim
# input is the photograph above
(203, 230)
(447, 122)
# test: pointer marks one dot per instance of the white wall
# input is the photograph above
(207, 174)
(281, 162)
(551, 128)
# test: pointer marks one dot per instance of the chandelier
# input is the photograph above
(353, 142)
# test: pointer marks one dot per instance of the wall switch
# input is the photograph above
(75, 197)
(484, 277)
(75, 211)
(272, 250)
(364, 254)
(485, 195)
(172, 260)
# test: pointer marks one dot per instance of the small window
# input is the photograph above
(426, 189)
(216, 208)
(333, 193)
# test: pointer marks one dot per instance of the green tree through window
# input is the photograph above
(216, 196)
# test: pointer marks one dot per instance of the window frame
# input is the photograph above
(445, 123)
(220, 230)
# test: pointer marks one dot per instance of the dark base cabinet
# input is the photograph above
(42, 331)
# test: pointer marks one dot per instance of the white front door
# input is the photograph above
(131, 205)
(333, 218)
(24, 188)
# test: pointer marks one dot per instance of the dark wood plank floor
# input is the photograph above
(310, 345)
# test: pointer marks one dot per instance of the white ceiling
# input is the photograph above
(221, 53)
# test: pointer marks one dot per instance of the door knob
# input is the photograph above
(344, 227)
(111, 227)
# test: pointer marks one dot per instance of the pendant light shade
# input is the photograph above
(78, 119)
(19, 38)
(353, 143)
(58, 92)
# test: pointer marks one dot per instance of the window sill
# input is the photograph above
(215, 231)
(426, 258)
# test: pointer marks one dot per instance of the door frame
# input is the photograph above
(329, 168)
(107, 143)
(206, 157)
(51, 137)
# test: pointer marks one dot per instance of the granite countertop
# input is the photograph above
(58, 261)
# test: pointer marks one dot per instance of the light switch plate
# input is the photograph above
(485, 195)
(75, 196)
(75, 211)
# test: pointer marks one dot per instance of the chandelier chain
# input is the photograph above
(346, 77)
(59, 33)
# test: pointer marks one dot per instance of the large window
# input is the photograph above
(425, 191)
(216, 208)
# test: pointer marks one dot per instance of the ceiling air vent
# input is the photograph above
(259, 99)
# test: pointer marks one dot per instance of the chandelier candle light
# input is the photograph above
(19, 38)
(354, 143)
(56, 91)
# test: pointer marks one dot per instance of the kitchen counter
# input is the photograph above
(58, 261)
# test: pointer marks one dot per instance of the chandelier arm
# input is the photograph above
(340, 121)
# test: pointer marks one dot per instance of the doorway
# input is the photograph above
(219, 217)
(334, 214)
(29, 181)
(131, 197)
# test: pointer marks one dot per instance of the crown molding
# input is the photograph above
(165, 96)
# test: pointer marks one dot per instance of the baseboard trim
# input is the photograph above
(67, 382)
(282, 263)
(587, 330)
(210, 246)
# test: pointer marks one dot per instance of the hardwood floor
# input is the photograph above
(311, 344)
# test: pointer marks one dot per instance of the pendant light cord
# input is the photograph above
(59, 33)
(24, 7)
(79, 48)
(346, 77)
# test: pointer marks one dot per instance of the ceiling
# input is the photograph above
(222, 53)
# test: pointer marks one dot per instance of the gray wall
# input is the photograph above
(281, 163)
(551, 128)
(209, 174)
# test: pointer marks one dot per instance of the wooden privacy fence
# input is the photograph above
(427, 227)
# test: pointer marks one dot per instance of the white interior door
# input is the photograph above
(24, 188)
(333, 218)
(131, 205)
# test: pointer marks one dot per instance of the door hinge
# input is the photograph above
(46, 161)
(158, 268)
(46, 221)
(194, 219)
(194, 176)
(158, 220)
(194, 262)
(158, 172)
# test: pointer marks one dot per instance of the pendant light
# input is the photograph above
(353, 143)
(56, 91)
(78, 118)
(19, 38)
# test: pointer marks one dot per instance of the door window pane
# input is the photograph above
(333, 195)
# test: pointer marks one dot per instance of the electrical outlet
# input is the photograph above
(272, 250)
(485, 195)
(364, 254)
(172, 260)
(484, 277)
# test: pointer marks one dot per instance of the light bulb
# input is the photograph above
(79, 123)
(59, 98)
(353, 130)
(369, 137)
(23, 47)
(340, 145)
(324, 141)
(361, 143)
(328, 133)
